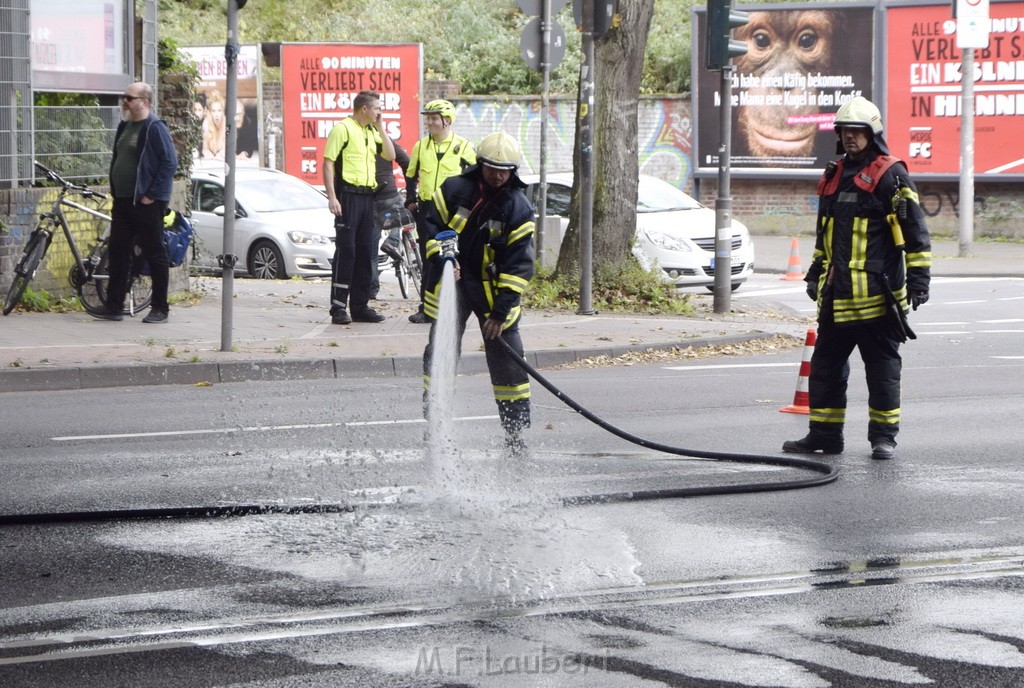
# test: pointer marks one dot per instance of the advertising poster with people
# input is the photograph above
(924, 77)
(211, 104)
(801, 66)
(319, 81)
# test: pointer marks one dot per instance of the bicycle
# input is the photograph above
(90, 275)
(409, 269)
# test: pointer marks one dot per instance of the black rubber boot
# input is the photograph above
(883, 449)
(813, 444)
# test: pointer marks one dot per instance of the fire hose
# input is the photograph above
(825, 473)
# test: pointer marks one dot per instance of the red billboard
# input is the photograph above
(924, 94)
(319, 81)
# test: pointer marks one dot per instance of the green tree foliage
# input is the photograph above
(474, 43)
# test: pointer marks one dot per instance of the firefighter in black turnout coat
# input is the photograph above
(872, 260)
(494, 223)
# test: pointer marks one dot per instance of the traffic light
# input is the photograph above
(722, 19)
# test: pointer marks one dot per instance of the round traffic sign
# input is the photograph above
(530, 42)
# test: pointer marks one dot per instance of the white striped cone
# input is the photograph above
(801, 398)
(793, 271)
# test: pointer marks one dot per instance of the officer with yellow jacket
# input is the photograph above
(872, 260)
(350, 180)
(437, 156)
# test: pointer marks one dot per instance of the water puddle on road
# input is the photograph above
(482, 525)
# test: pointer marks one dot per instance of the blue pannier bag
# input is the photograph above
(177, 239)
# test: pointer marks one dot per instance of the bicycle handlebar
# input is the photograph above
(80, 189)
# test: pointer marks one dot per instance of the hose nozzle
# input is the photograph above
(449, 241)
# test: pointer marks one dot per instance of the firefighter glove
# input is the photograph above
(812, 290)
(918, 299)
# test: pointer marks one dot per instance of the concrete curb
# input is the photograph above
(104, 376)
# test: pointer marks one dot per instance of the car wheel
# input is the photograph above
(266, 262)
(735, 286)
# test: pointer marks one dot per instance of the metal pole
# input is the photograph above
(230, 148)
(723, 204)
(545, 73)
(967, 153)
(585, 111)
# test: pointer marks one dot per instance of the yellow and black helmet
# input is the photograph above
(499, 150)
(440, 107)
(860, 112)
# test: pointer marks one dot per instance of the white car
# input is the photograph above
(282, 225)
(673, 231)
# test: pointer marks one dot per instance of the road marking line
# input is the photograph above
(256, 428)
(735, 365)
(964, 303)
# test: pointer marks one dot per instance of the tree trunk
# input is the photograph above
(619, 59)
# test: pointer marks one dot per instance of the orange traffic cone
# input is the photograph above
(801, 399)
(793, 271)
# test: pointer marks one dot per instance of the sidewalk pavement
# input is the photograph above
(281, 330)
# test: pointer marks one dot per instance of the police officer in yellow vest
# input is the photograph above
(872, 262)
(437, 156)
(350, 178)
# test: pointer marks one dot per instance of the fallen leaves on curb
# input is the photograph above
(779, 342)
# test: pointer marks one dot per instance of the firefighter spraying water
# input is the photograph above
(480, 229)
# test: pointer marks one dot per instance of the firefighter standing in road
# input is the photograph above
(872, 260)
(487, 209)
(437, 156)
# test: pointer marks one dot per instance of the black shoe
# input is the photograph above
(419, 317)
(883, 450)
(155, 316)
(107, 313)
(812, 445)
(390, 247)
(367, 314)
(340, 317)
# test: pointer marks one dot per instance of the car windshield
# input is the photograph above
(656, 196)
(279, 193)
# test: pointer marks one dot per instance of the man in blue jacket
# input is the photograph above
(141, 174)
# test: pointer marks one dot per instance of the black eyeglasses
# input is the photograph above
(129, 99)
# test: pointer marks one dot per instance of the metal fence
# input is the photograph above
(15, 93)
(75, 142)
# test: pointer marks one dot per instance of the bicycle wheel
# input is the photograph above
(138, 294)
(403, 279)
(93, 292)
(26, 267)
(411, 263)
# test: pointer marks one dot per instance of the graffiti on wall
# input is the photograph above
(664, 133)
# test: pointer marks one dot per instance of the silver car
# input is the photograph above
(282, 225)
(673, 231)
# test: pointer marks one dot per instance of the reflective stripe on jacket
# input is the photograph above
(862, 240)
(430, 164)
(496, 249)
(354, 151)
